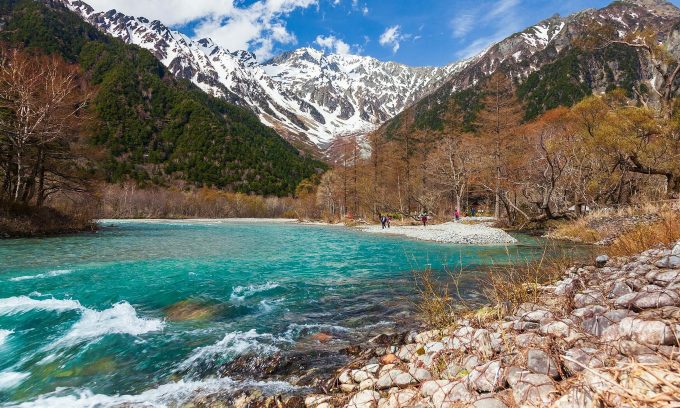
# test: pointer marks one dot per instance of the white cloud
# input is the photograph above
(499, 18)
(462, 24)
(392, 38)
(258, 27)
(364, 10)
(333, 44)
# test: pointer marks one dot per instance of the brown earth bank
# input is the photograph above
(20, 221)
(604, 335)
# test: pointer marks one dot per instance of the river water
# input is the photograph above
(151, 312)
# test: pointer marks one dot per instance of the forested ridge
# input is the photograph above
(152, 127)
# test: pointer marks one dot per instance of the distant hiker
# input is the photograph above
(389, 221)
(383, 221)
(423, 218)
(457, 214)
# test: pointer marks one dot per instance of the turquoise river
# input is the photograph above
(153, 313)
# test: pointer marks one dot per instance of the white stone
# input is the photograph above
(314, 400)
(428, 388)
(364, 399)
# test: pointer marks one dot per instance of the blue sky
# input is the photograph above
(428, 32)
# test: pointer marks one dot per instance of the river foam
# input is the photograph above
(11, 379)
(121, 318)
(240, 293)
(50, 274)
(235, 344)
(4, 334)
(172, 394)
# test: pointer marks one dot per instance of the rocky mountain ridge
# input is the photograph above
(313, 98)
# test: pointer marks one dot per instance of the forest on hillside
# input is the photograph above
(493, 150)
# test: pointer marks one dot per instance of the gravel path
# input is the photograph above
(451, 233)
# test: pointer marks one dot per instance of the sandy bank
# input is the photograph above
(451, 233)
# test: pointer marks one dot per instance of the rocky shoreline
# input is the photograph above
(449, 233)
(604, 335)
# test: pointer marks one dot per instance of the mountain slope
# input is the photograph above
(154, 127)
(308, 96)
(549, 67)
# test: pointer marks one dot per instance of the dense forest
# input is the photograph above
(139, 123)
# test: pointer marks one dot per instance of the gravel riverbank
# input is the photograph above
(450, 233)
(604, 335)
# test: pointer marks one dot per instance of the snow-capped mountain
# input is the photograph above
(312, 98)
(306, 95)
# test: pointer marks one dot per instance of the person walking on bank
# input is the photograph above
(457, 214)
(423, 218)
(383, 220)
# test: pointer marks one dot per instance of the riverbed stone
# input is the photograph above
(601, 261)
(394, 378)
(368, 384)
(364, 399)
(536, 316)
(389, 359)
(314, 400)
(410, 352)
(653, 332)
(345, 377)
(539, 362)
(669, 262)
(428, 388)
(667, 278)
(489, 401)
(360, 375)
(399, 399)
(625, 301)
(676, 250)
(348, 388)
(525, 340)
(434, 347)
(557, 328)
(485, 378)
(618, 289)
(534, 390)
(420, 374)
(575, 397)
(428, 336)
(656, 299)
(452, 393)
(588, 298)
(578, 358)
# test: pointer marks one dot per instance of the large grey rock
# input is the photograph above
(453, 394)
(394, 378)
(399, 399)
(410, 352)
(652, 332)
(429, 388)
(434, 347)
(557, 328)
(470, 362)
(587, 298)
(618, 289)
(589, 311)
(575, 398)
(667, 278)
(524, 340)
(625, 301)
(566, 287)
(364, 399)
(360, 375)
(536, 390)
(520, 325)
(676, 250)
(420, 374)
(489, 402)
(601, 261)
(536, 316)
(596, 325)
(576, 359)
(669, 262)
(539, 362)
(486, 378)
(482, 343)
(345, 377)
(656, 299)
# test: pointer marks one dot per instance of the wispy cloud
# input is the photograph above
(257, 27)
(498, 18)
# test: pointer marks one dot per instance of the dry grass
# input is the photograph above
(520, 282)
(643, 237)
(577, 231)
(441, 304)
